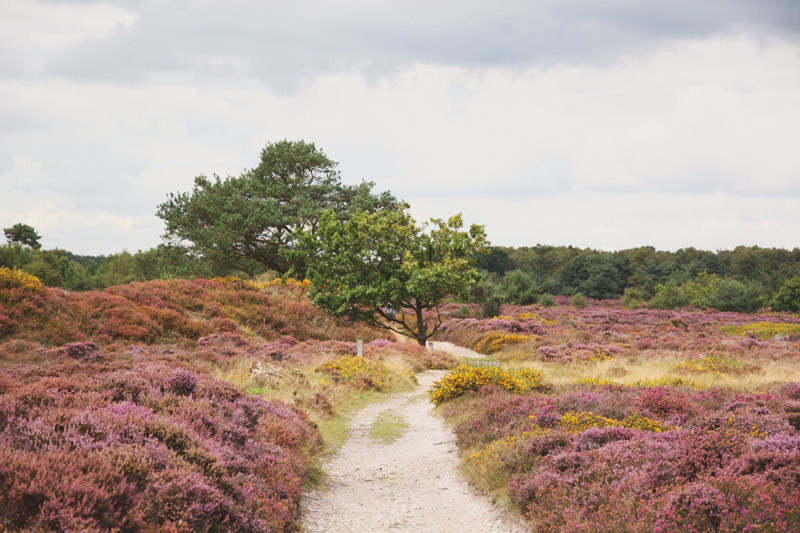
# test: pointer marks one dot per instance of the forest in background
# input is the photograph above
(745, 278)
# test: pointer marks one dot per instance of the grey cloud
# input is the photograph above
(284, 43)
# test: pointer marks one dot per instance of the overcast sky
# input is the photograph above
(602, 123)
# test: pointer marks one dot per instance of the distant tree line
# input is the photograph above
(742, 279)
(291, 212)
(73, 272)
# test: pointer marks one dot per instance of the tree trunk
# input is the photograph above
(422, 329)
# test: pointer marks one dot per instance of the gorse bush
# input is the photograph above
(471, 378)
(11, 277)
(496, 340)
(352, 368)
(764, 330)
(577, 422)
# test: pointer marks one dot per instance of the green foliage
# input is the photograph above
(59, 268)
(597, 276)
(242, 223)
(546, 300)
(669, 296)
(788, 298)
(709, 290)
(491, 307)
(485, 293)
(728, 294)
(634, 297)
(495, 261)
(568, 270)
(375, 264)
(579, 301)
(518, 287)
(23, 234)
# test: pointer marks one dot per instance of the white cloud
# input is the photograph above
(95, 232)
(619, 221)
(32, 32)
(692, 143)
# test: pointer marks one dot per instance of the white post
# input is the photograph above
(360, 344)
(430, 346)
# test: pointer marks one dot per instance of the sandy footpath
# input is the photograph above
(412, 484)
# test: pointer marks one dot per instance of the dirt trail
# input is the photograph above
(412, 484)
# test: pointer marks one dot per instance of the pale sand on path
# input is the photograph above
(411, 484)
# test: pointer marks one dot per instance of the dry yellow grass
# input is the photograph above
(665, 365)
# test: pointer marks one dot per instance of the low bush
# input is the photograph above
(496, 340)
(129, 447)
(579, 301)
(471, 378)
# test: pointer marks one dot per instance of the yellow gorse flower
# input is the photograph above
(13, 277)
(710, 363)
(764, 330)
(470, 378)
(575, 422)
(349, 367)
(493, 342)
(288, 282)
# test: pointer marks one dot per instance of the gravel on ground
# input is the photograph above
(411, 484)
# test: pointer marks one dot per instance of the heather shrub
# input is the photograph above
(129, 446)
(182, 382)
(666, 403)
(80, 350)
(694, 507)
(172, 309)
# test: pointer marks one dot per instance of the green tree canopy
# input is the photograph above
(374, 267)
(23, 234)
(242, 223)
(788, 298)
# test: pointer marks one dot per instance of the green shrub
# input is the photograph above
(633, 297)
(546, 300)
(788, 298)
(491, 307)
(728, 294)
(669, 296)
(579, 301)
(518, 287)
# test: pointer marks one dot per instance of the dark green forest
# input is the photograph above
(742, 279)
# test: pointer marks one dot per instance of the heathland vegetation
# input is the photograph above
(637, 420)
(194, 385)
(176, 405)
